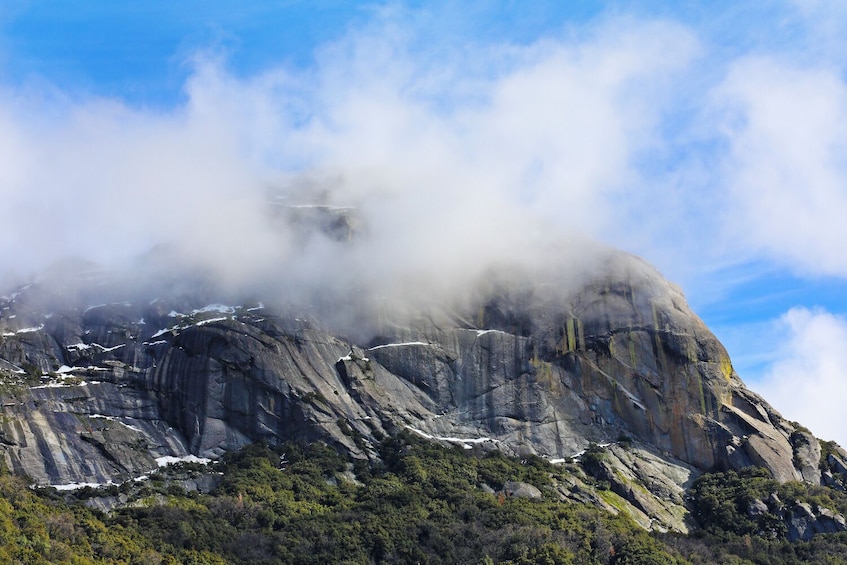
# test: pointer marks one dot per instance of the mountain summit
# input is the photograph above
(530, 364)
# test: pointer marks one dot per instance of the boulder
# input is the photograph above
(518, 489)
(807, 455)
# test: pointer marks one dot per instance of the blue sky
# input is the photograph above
(708, 137)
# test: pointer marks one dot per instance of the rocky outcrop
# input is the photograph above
(85, 432)
(801, 520)
(97, 392)
(638, 481)
(519, 489)
(807, 455)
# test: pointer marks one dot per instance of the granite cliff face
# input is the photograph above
(98, 392)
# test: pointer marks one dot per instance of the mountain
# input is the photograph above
(103, 380)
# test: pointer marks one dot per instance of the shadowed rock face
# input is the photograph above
(97, 392)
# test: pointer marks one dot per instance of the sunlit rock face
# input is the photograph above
(97, 391)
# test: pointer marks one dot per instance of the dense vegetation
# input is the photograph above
(742, 515)
(423, 503)
(41, 529)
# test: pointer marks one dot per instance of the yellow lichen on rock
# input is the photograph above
(726, 367)
(571, 335)
(633, 358)
(543, 371)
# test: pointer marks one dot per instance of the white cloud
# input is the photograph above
(460, 155)
(807, 381)
(826, 23)
(786, 169)
(455, 163)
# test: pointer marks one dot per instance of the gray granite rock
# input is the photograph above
(96, 390)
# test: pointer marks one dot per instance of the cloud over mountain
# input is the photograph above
(452, 165)
(703, 140)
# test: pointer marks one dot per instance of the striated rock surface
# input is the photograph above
(650, 488)
(96, 390)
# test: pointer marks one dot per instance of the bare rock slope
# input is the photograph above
(98, 392)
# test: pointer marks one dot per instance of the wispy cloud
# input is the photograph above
(806, 381)
(454, 164)
(706, 145)
(786, 169)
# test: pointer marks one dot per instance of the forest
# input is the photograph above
(422, 502)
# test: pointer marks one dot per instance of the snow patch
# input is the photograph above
(170, 460)
(210, 320)
(11, 297)
(466, 443)
(84, 346)
(164, 331)
(219, 308)
(62, 384)
(483, 332)
(113, 419)
(580, 453)
(11, 367)
(404, 344)
(178, 327)
(24, 331)
(349, 357)
(127, 304)
(77, 486)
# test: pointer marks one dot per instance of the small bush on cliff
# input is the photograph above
(720, 501)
